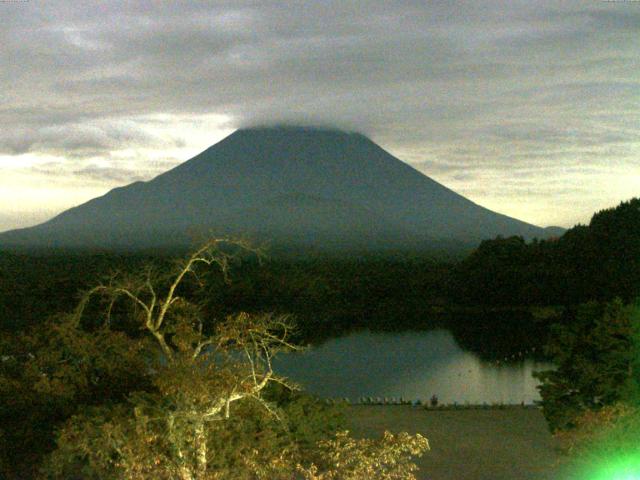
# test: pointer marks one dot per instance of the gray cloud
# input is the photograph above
(453, 86)
(110, 174)
(80, 139)
(118, 172)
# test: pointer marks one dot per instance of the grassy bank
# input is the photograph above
(469, 444)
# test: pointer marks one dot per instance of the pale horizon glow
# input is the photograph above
(34, 189)
(529, 108)
(29, 197)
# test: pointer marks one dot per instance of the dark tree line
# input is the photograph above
(335, 293)
(486, 296)
(596, 262)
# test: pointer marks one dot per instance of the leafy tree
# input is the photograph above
(196, 376)
(344, 458)
(603, 432)
(209, 406)
(596, 355)
(46, 373)
(599, 261)
(603, 444)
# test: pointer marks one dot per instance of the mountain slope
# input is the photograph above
(292, 184)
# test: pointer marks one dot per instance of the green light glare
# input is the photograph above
(625, 467)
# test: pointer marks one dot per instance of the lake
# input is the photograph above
(413, 365)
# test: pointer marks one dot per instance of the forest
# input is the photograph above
(505, 288)
(74, 327)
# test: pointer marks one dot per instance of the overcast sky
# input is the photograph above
(529, 108)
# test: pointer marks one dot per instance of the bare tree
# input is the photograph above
(203, 376)
(200, 374)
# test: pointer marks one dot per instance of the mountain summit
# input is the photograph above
(313, 186)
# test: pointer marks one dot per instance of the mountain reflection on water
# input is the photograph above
(414, 365)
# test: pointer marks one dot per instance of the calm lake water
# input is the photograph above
(413, 365)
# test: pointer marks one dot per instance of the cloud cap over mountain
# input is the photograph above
(301, 185)
(538, 98)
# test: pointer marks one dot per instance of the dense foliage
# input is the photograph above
(327, 295)
(594, 352)
(602, 445)
(51, 373)
(491, 300)
(341, 292)
(606, 433)
(506, 296)
(140, 382)
(599, 262)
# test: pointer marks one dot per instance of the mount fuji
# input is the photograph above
(292, 185)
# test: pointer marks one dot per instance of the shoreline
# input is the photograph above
(419, 405)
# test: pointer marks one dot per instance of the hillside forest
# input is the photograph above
(492, 298)
(568, 299)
